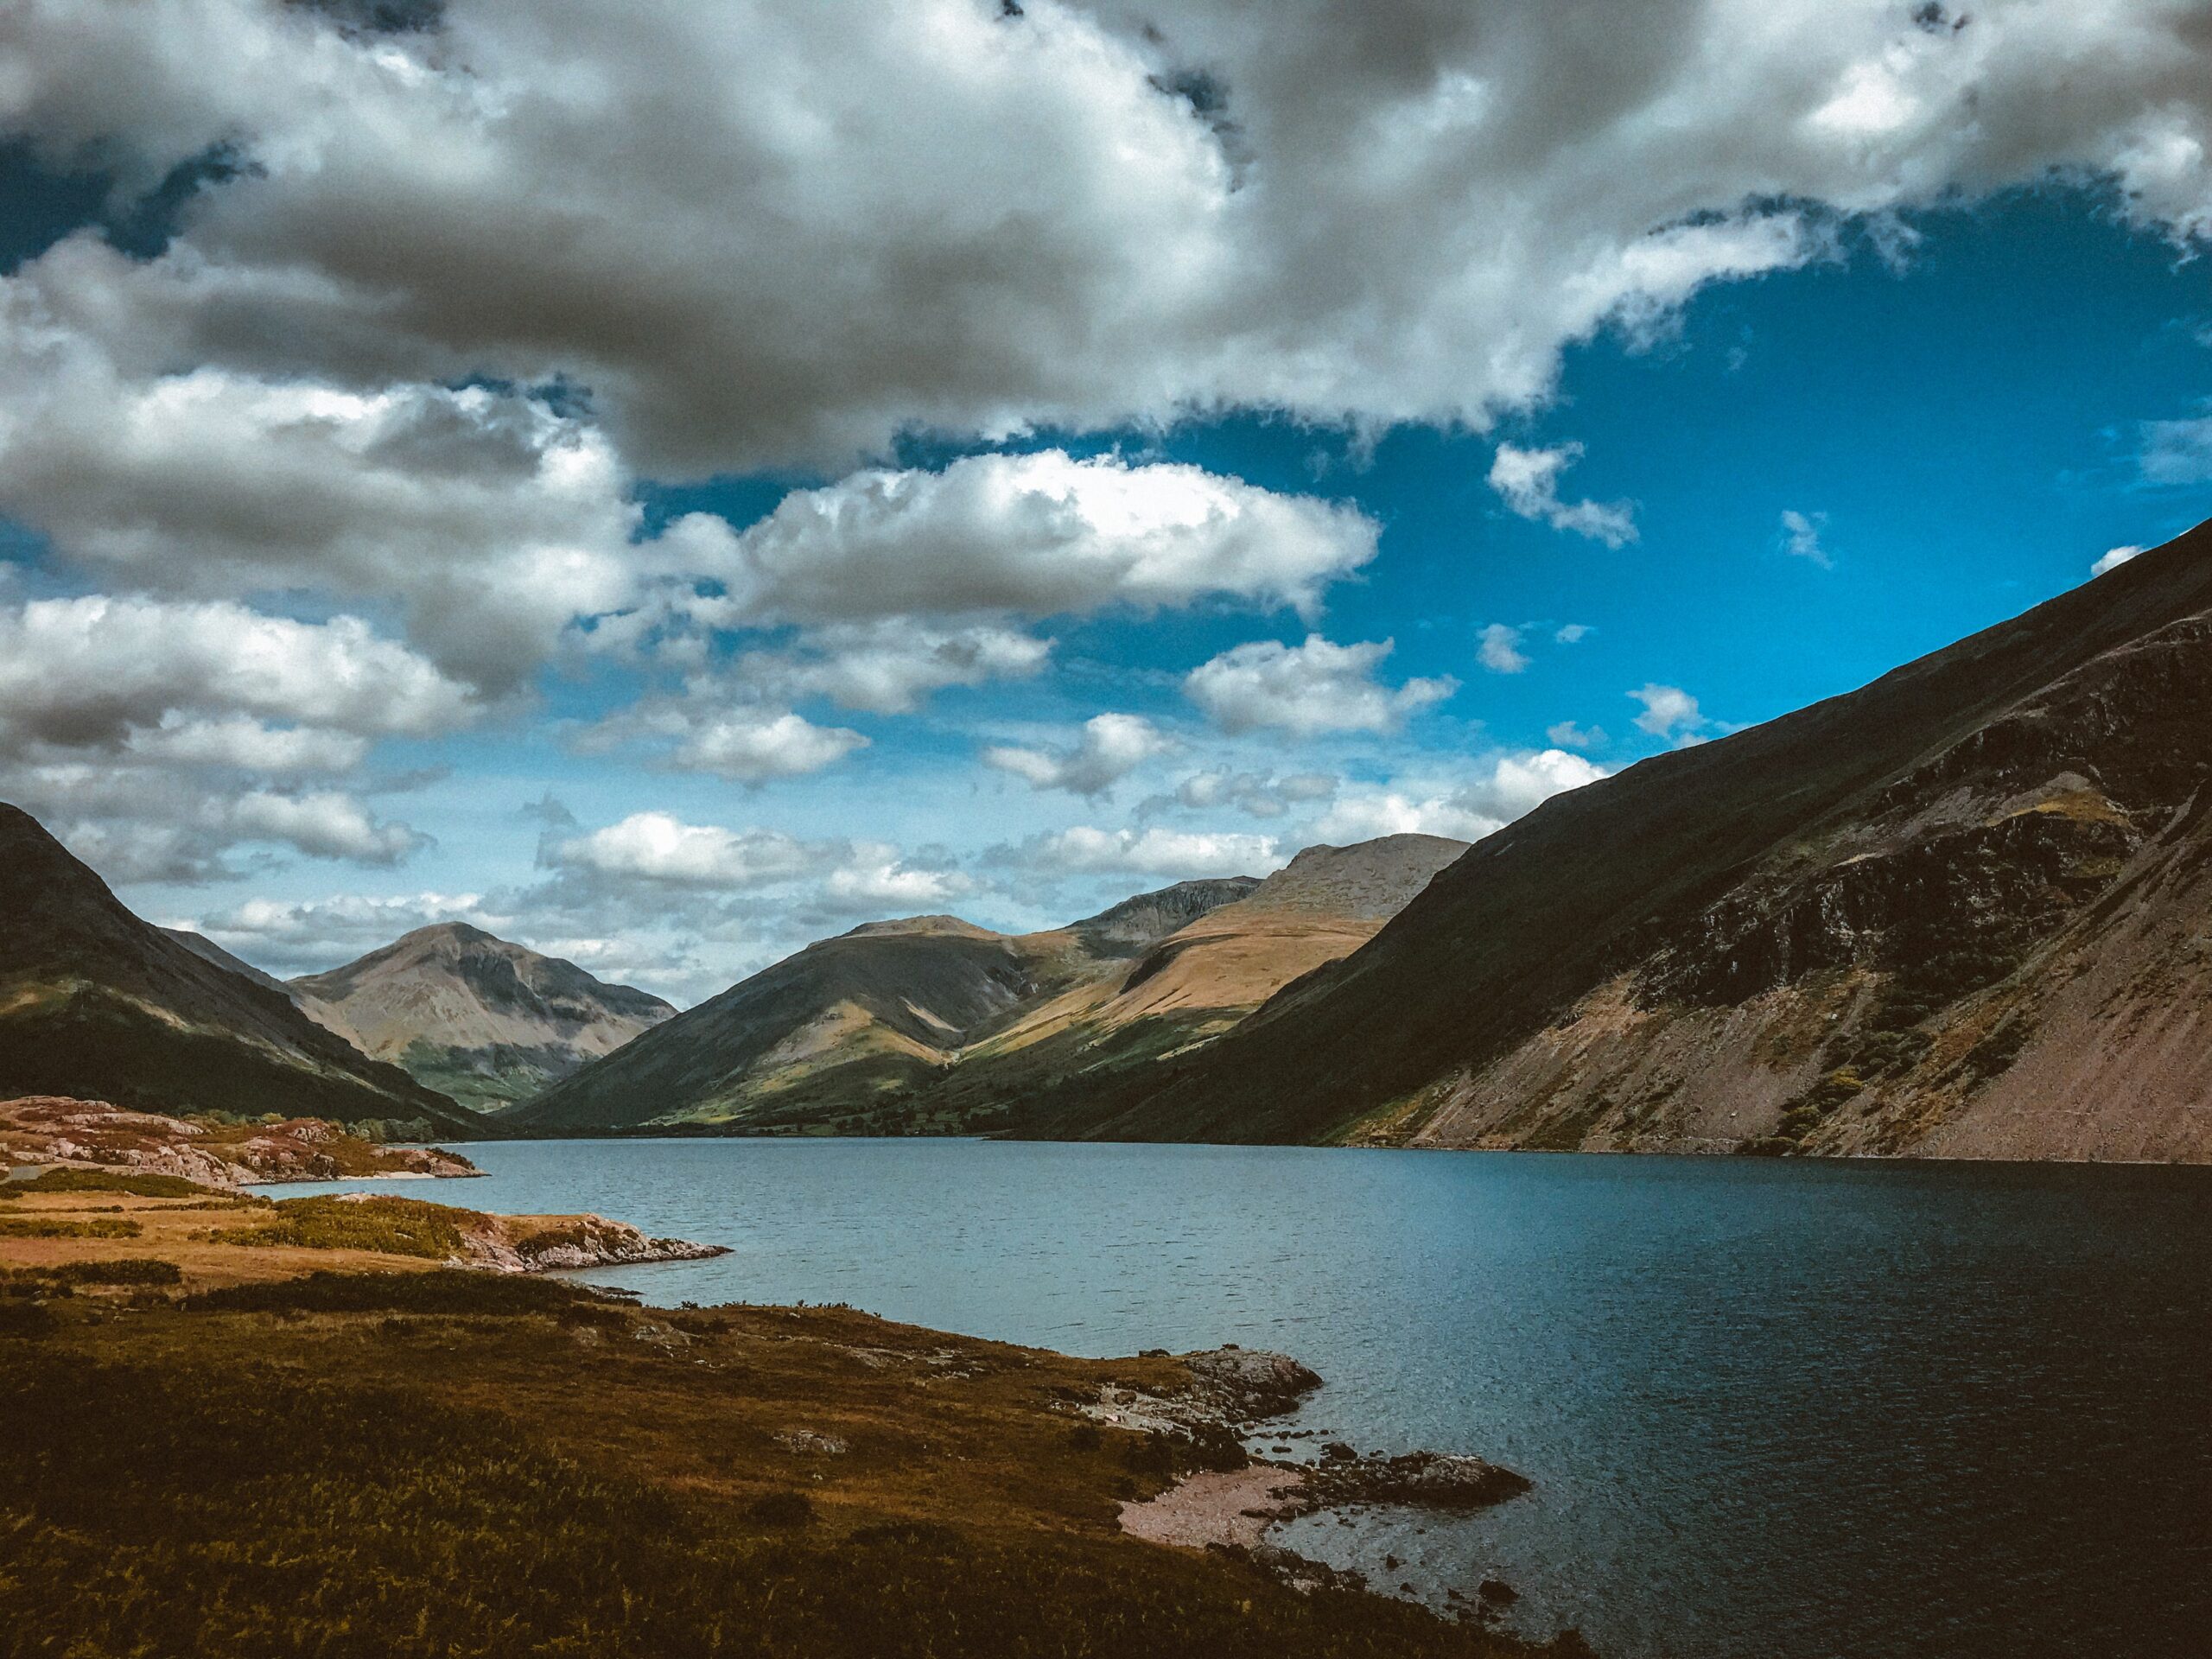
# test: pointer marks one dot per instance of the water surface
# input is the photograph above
(1773, 1410)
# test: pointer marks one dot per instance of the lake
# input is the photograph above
(1773, 1410)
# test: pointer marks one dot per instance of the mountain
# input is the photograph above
(1966, 910)
(97, 1004)
(488, 1022)
(1196, 981)
(207, 950)
(846, 1032)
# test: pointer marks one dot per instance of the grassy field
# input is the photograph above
(393, 1459)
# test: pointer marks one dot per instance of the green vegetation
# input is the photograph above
(56, 1227)
(139, 1183)
(452, 1291)
(393, 1226)
(214, 1482)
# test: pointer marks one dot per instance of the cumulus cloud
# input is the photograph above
(1527, 481)
(892, 665)
(1667, 710)
(1035, 535)
(1498, 648)
(1256, 794)
(2112, 558)
(1111, 748)
(1307, 690)
(308, 936)
(1566, 735)
(1573, 634)
(1800, 537)
(1371, 213)
(1473, 807)
(91, 672)
(1169, 854)
(713, 726)
(658, 849)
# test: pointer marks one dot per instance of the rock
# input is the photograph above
(1427, 1479)
(1497, 1593)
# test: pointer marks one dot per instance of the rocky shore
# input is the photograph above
(1234, 1506)
(56, 1131)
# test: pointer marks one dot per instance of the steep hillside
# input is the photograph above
(488, 1022)
(846, 1032)
(1963, 910)
(1200, 980)
(207, 950)
(98, 1004)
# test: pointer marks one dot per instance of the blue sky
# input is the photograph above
(514, 644)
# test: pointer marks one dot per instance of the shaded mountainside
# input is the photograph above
(487, 1021)
(1196, 983)
(855, 1025)
(98, 1004)
(1966, 910)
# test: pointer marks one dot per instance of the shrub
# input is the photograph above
(123, 1270)
(25, 1319)
(453, 1291)
(386, 1225)
(141, 1183)
(57, 1227)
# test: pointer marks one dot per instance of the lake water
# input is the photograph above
(1773, 1410)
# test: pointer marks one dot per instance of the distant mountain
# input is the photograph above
(485, 1020)
(1198, 981)
(1966, 910)
(97, 1004)
(850, 1030)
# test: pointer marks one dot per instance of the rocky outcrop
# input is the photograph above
(53, 1130)
(553, 1243)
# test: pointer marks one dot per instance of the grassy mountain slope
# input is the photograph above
(488, 1022)
(848, 1028)
(1199, 981)
(96, 1003)
(1958, 910)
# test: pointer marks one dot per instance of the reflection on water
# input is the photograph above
(1773, 1410)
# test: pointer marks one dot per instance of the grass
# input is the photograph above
(387, 1225)
(67, 1227)
(442, 1464)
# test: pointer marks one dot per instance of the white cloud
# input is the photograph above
(749, 745)
(1033, 535)
(657, 848)
(1528, 480)
(1667, 709)
(308, 936)
(1465, 811)
(1800, 537)
(1112, 746)
(324, 824)
(893, 665)
(877, 880)
(91, 672)
(1574, 633)
(1568, 736)
(1169, 854)
(1499, 649)
(1306, 689)
(1256, 794)
(2112, 558)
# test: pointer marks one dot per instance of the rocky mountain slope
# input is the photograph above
(97, 1004)
(488, 1022)
(1198, 981)
(1966, 910)
(849, 1030)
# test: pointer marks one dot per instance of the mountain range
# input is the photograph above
(1963, 910)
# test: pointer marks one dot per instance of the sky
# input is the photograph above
(669, 483)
